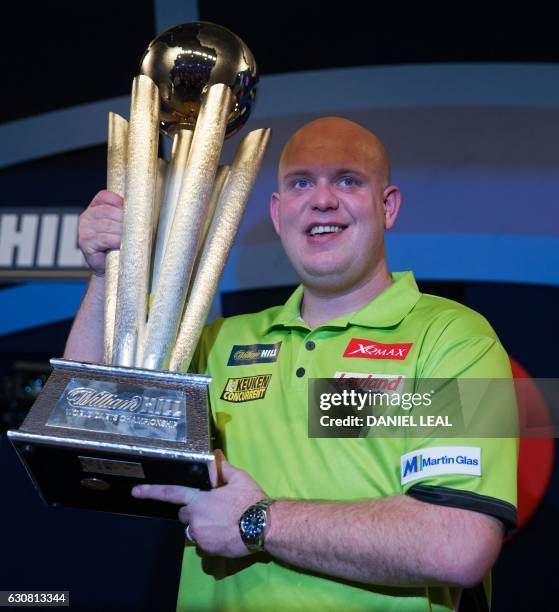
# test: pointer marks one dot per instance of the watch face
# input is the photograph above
(253, 523)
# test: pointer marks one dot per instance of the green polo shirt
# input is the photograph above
(260, 365)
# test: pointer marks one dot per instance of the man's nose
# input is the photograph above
(325, 197)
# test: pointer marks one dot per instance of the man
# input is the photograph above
(346, 529)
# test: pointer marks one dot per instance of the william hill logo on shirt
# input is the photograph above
(246, 389)
(245, 354)
(439, 460)
(368, 349)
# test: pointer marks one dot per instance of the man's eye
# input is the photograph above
(347, 181)
(301, 184)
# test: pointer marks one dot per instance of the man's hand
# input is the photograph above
(213, 515)
(100, 229)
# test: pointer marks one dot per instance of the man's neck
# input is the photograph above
(319, 307)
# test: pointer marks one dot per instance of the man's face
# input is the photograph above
(330, 210)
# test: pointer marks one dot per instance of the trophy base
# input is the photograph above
(94, 479)
(96, 431)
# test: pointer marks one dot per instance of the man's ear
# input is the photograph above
(392, 202)
(274, 211)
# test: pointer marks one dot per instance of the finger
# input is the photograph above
(214, 469)
(166, 493)
(99, 243)
(101, 225)
(221, 471)
(97, 263)
(106, 197)
(184, 515)
(104, 211)
(94, 227)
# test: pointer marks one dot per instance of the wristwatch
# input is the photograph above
(253, 523)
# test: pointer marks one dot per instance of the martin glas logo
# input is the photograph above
(368, 349)
(438, 460)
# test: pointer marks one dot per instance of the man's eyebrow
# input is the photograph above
(295, 173)
(337, 171)
(350, 171)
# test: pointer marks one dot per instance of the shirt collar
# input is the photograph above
(289, 314)
(386, 310)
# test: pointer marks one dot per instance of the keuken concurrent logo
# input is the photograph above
(246, 389)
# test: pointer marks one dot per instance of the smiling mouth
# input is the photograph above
(318, 230)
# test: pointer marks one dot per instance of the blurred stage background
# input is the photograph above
(468, 107)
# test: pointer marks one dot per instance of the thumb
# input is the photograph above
(221, 471)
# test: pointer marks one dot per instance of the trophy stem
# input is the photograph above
(135, 257)
(220, 179)
(116, 173)
(162, 171)
(177, 165)
(188, 222)
(221, 236)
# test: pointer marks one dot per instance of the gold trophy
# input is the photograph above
(98, 429)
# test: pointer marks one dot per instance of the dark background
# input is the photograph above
(57, 55)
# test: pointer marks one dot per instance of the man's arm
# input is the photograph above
(100, 230)
(393, 541)
(397, 541)
(85, 341)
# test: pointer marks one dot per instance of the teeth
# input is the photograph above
(325, 229)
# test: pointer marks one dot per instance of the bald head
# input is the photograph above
(339, 140)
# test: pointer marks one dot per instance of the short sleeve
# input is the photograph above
(474, 473)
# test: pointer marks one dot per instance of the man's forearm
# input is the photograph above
(393, 541)
(396, 541)
(85, 342)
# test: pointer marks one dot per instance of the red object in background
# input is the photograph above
(536, 455)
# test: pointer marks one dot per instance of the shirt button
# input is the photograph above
(310, 345)
(300, 372)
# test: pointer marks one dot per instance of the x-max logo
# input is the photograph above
(358, 347)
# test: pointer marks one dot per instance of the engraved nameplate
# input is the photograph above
(114, 467)
(122, 409)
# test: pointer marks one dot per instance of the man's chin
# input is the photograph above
(324, 280)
